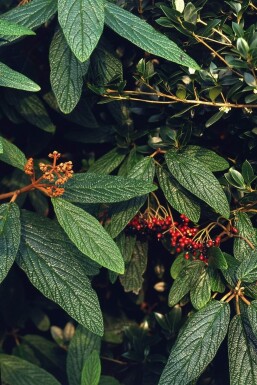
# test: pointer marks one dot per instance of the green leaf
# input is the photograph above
(94, 188)
(132, 279)
(104, 67)
(247, 271)
(80, 348)
(185, 281)
(214, 92)
(248, 173)
(10, 232)
(121, 213)
(13, 79)
(243, 47)
(198, 179)
(13, 29)
(1, 146)
(108, 162)
(242, 250)
(144, 35)
(242, 354)
(51, 264)
(230, 273)
(179, 263)
(200, 294)
(179, 198)
(209, 158)
(197, 344)
(12, 155)
(15, 371)
(126, 244)
(91, 370)
(215, 118)
(82, 22)
(88, 235)
(30, 15)
(217, 284)
(216, 258)
(66, 73)
(252, 316)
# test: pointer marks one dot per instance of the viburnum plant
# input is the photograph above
(128, 253)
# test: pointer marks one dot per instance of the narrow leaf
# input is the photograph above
(12, 154)
(9, 28)
(88, 235)
(13, 79)
(91, 370)
(66, 73)
(199, 180)
(144, 35)
(10, 231)
(82, 22)
(197, 345)
(246, 231)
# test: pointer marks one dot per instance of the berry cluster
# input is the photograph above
(153, 226)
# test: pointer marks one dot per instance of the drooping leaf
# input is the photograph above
(198, 179)
(197, 344)
(82, 22)
(108, 162)
(230, 273)
(144, 35)
(88, 235)
(179, 263)
(247, 271)
(15, 371)
(81, 346)
(132, 279)
(247, 172)
(209, 158)
(13, 79)
(200, 294)
(216, 258)
(10, 231)
(216, 281)
(91, 369)
(242, 249)
(104, 67)
(12, 154)
(51, 264)
(94, 188)
(122, 213)
(66, 73)
(242, 354)
(179, 198)
(13, 29)
(31, 15)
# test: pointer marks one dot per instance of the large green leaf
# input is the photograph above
(104, 67)
(91, 369)
(13, 29)
(132, 279)
(197, 344)
(144, 35)
(95, 188)
(15, 371)
(252, 316)
(31, 15)
(247, 271)
(242, 353)
(242, 249)
(199, 180)
(12, 154)
(122, 213)
(13, 79)
(88, 235)
(81, 346)
(66, 73)
(201, 292)
(82, 22)
(10, 232)
(50, 262)
(209, 158)
(108, 162)
(179, 198)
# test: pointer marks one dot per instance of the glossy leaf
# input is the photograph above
(132, 279)
(10, 232)
(66, 73)
(94, 188)
(80, 348)
(179, 198)
(91, 369)
(197, 344)
(82, 22)
(15, 371)
(13, 79)
(88, 235)
(12, 154)
(144, 35)
(50, 262)
(13, 29)
(198, 179)
(242, 249)
(247, 271)
(242, 353)
(209, 158)
(247, 172)
(215, 118)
